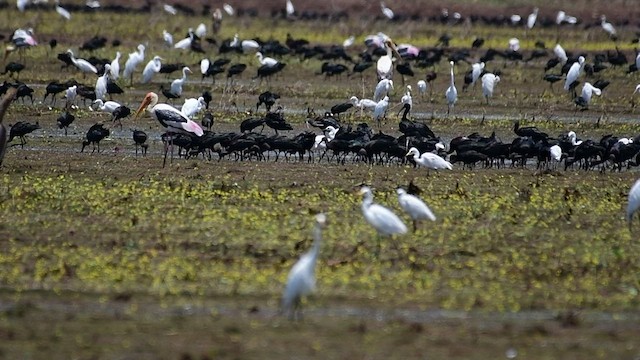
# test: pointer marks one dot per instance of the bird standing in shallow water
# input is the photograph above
(302, 277)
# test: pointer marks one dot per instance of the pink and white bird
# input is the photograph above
(169, 117)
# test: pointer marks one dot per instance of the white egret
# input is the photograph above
(422, 87)
(192, 106)
(634, 201)
(265, 60)
(321, 141)
(228, 9)
(302, 277)
(574, 73)
(382, 89)
(101, 83)
(556, 152)
(62, 11)
(167, 37)
(170, 9)
(429, 160)
(152, 67)
(588, 91)
(82, 64)
(380, 110)
(531, 20)
(201, 30)
(115, 66)
(348, 41)
(388, 13)
(176, 85)
(415, 207)
(452, 93)
(135, 58)
(382, 219)
(476, 71)
(367, 104)
(573, 138)
(515, 19)
(289, 8)
(489, 82)
(185, 44)
(109, 106)
(514, 44)
(70, 94)
(560, 54)
(608, 27)
(407, 99)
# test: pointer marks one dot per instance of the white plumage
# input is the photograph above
(265, 60)
(176, 85)
(62, 11)
(185, 44)
(82, 64)
(192, 106)
(388, 13)
(115, 67)
(380, 110)
(367, 104)
(556, 152)
(429, 160)
(109, 106)
(452, 93)
(607, 26)
(588, 91)
(170, 9)
(415, 207)
(489, 82)
(574, 72)
(382, 89)
(302, 278)
(560, 54)
(135, 58)
(348, 41)
(422, 87)
(169, 117)
(531, 20)
(289, 8)
(476, 70)
(382, 219)
(167, 37)
(514, 44)
(201, 30)
(152, 67)
(407, 99)
(228, 9)
(101, 83)
(634, 201)
(384, 65)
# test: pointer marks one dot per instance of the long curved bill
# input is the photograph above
(145, 103)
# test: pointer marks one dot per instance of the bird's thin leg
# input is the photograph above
(166, 150)
(415, 225)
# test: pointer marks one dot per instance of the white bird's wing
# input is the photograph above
(634, 199)
(415, 207)
(384, 220)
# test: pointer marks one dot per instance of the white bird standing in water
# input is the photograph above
(452, 93)
(415, 207)
(101, 83)
(302, 277)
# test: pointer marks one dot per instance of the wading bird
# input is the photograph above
(634, 201)
(429, 160)
(302, 277)
(82, 64)
(489, 82)
(115, 67)
(452, 93)
(382, 219)
(172, 119)
(152, 67)
(415, 207)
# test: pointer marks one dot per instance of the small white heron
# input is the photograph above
(349, 41)
(514, 44)
(574, 72)
(192, 106)
(167, 37)
(634, 201)
(185, 44)
(382, 89)
(489, 82)
(115, 66)
(152, 67)
(429, 160)
(109, 106)
(228, 9)
(452, 93)
(531, 20)
(101, 83)
(289, 8)
(422, 87)
(302, 277)
(82, 64)
(380, 110)
(560, 54)
(135, 58)
(388, 13)
(265, 60)
(176, 85)
(415, 207)
(170, 9)
(366, 104)
(588, 91)
(201, 30)
(381, 218)
(476, 71)
(62, 11)
(608, 27)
